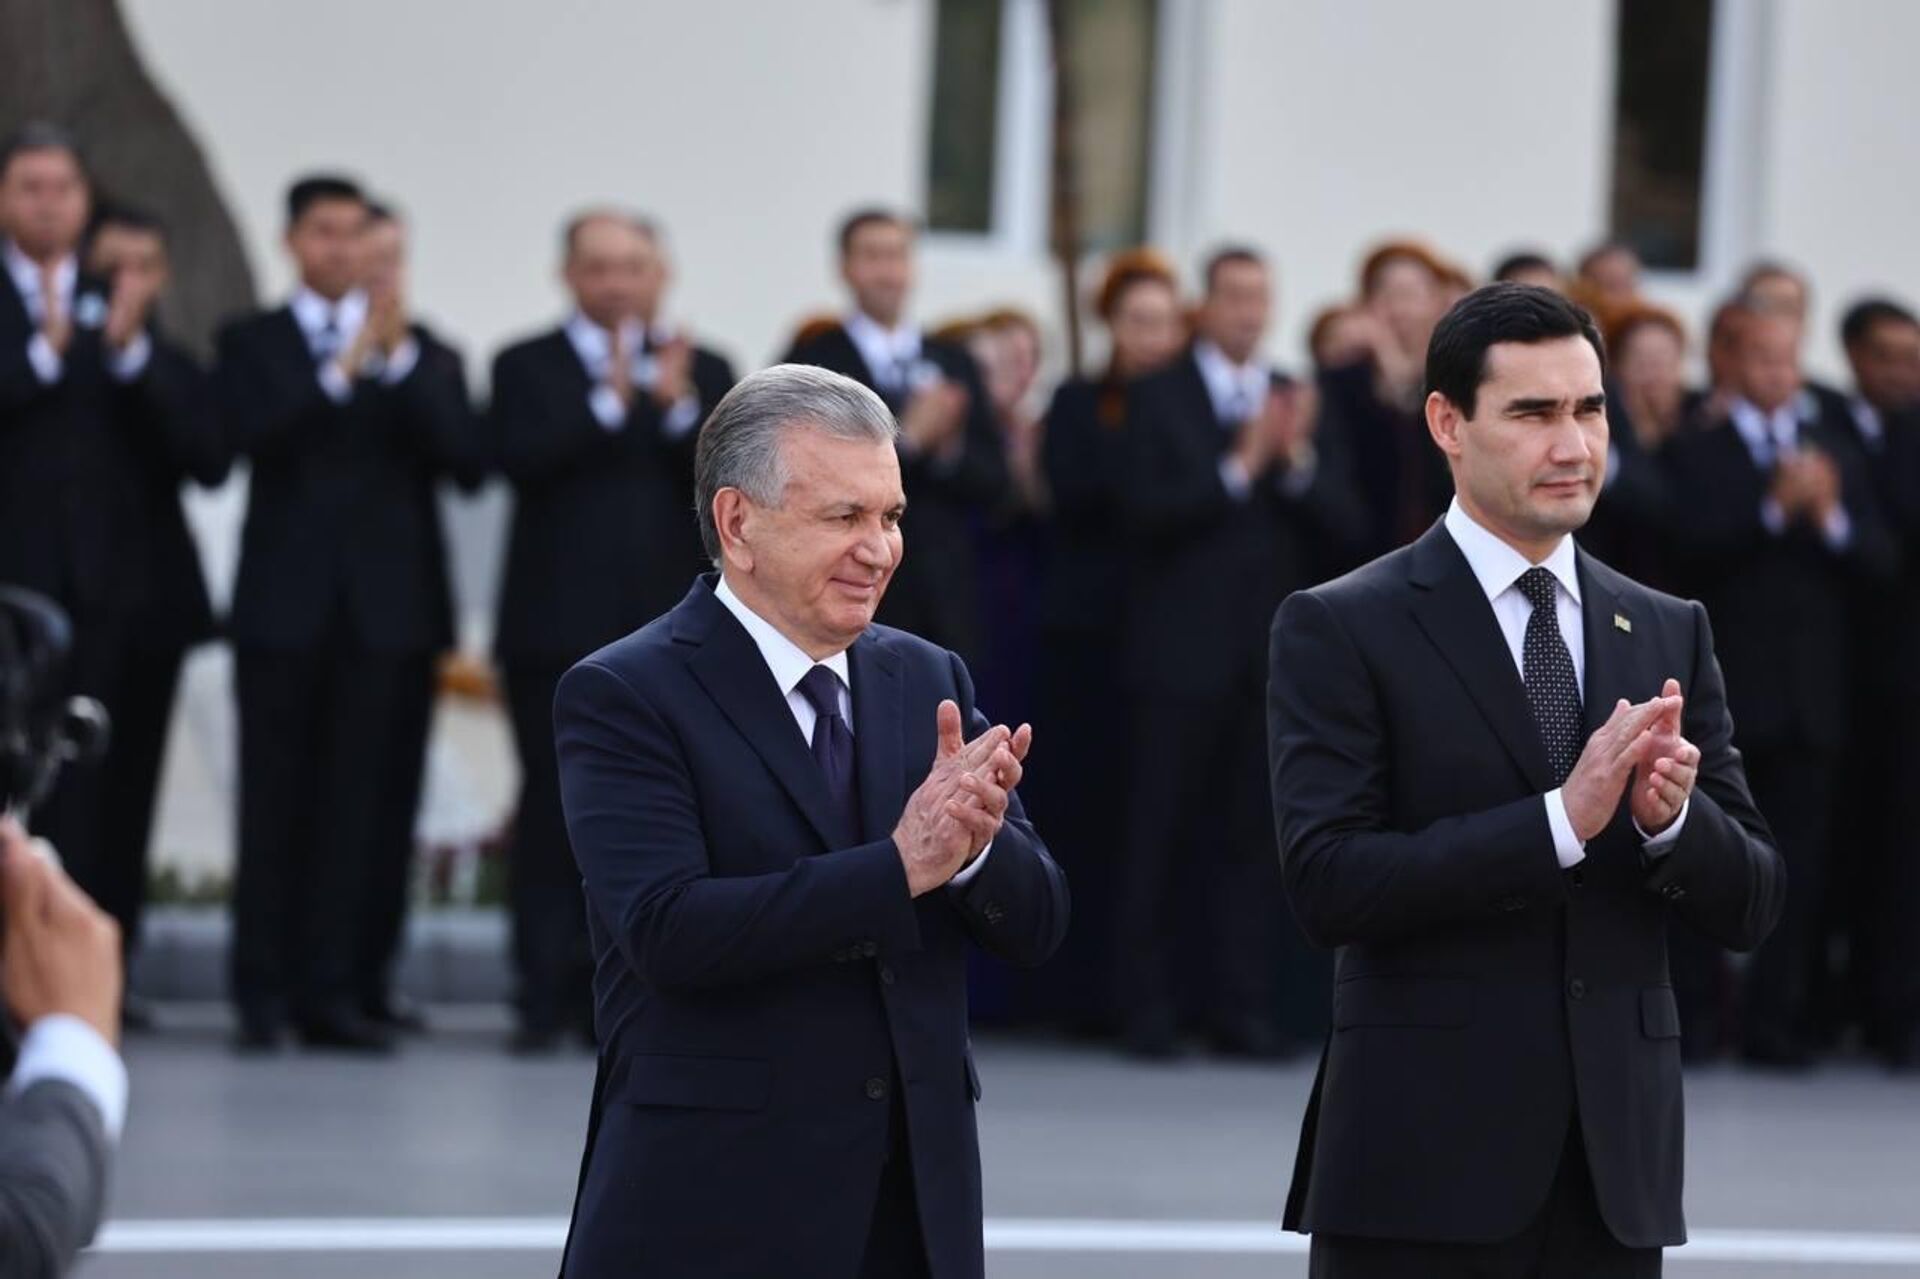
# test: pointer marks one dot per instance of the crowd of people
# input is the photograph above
(1108, 565)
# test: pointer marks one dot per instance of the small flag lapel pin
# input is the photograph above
(1622, 624)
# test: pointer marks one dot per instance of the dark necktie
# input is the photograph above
(833, 747)
(1547, 669)
(326, 343)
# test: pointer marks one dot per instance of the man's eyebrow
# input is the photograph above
(1596, 401)
(1532, 404)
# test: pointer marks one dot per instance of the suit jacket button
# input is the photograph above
(886, 975)
(876, 1089)
(1673, 892)
(1576, 989)
(869, 949)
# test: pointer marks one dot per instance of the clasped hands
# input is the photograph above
(958, 809)
(1639, 745)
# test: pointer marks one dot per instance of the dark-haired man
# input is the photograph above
(1879, 810)
(99, 423)
(594, 425)
(950, 454)
(1228, 505)
(350, 415)
(1498, 768)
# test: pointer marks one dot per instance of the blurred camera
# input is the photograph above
(41, 728)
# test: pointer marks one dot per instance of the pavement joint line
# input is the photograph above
(1003, 1234)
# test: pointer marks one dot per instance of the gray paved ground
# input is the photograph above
(455, 1129)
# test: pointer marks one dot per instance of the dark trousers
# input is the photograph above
(1793, 787)
(896, 1248)
(1204, 757)
(1874, 892)
(100, 816)
(552, 959)
(390, 872)
(317, 752)
(1567, 1240)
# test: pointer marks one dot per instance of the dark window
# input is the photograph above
(1660, 128)
(965, 116)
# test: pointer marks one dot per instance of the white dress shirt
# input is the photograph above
(790, 664)
(1498, 569)
(48, 364)
(1239, 392)
(1772, 436)
(893, 355)
(65, 1048)
(595, 349)
(313, 314)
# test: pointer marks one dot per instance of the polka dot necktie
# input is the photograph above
(1547, 669)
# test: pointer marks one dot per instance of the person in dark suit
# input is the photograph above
(350, 415)
(1775, 525)
(1498, 768)
(950, 454)
(594, 425)
(1879, 809)
(1228, 505)
(787, 846)
(100, 421)
(173, 429)
(1083, 608)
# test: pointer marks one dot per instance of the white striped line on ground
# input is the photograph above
(1004, 1234)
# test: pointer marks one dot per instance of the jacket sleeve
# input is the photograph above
(53, 1177)
(1724, 875)
(1350, 877)
(544, 429)
(438, 415)
(173, 413)
(634, 818)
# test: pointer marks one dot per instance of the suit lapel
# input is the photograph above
(731, 670)
(1451, 608)
(879, 732)
(1608, 626)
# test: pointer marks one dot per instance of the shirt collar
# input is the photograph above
(1223, 377)
(26, 274)
(311, 312)
(787, 660)
(593, 345)
(880, 345)
(1497, 566)
(1764, 432)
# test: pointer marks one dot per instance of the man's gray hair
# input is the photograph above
(739, 446)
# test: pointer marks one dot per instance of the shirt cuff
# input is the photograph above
(1837, 528)
(1662, 844)
(61, 1046)
(967, 873)
(130, 361)
(47, 364)
(1568, 849)
(681, 416)
(1234, 478)
(608, 411)
(334, 381)
(1298, 477)
(1772, 517)
(401, 362)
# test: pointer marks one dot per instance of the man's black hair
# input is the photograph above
(1863, 315)
(1228, 255)
(1524, 260)
(1488, 316)
(316, 188)
(870, 215)
(39, 135)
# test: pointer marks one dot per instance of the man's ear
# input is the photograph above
(733, 519)
(1443, 423)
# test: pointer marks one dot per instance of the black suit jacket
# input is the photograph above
(1399, 475)
(1779, 602)
(604, 535)
(90, 471)
(933, 593)
(1485, 997)
(1208, 568)
(759, 983)
(1085, 455)
(343, 521)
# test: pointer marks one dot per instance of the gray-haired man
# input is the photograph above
(788, 841)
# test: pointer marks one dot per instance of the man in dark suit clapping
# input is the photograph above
(1498, 768)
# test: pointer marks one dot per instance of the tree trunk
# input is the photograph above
(72, 63)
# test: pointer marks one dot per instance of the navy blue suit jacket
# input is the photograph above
(758, 985)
